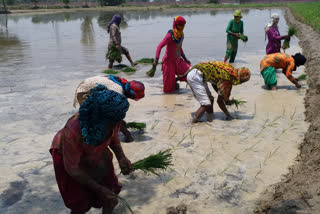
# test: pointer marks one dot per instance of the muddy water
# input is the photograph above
(219, 166)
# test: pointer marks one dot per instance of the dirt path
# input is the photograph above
(299, 190)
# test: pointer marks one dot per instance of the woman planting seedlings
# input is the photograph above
(234, 31)
(174, 61)
(114, 48)
(271, 62)
(274, 38)
(222, 77)
(133, 90)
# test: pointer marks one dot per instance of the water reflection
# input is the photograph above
(87, 32)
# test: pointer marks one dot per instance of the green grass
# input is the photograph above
(307, 13)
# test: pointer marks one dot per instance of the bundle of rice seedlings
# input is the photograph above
(237, 102)
(151, 72)
(292, 31)
(159, 161)
(120, 66)
(114, 54)
(124, 203)
(145, 61)
(110, 71)
(244, 38)
(302, 77)
(129, 69)
(136, 125)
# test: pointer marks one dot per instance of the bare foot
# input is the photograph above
(134, 64)
(274, 88)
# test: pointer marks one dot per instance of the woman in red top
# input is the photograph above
(81, 153)
(174, 61)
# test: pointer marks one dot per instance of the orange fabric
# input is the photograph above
(177, 28)
(279, 60)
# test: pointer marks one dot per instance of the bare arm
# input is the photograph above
(222, 103)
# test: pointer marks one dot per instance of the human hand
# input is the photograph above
(155, 62)
(228, 102)
(125, 166)
(298, 85)
(187, 61)
(118, 47)
(236, 35)
(108, 198)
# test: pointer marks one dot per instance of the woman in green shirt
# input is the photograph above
(234, 29)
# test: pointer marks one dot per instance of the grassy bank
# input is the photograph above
(308, 13)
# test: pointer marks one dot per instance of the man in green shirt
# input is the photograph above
(234, 29)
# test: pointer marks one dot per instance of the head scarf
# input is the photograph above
(237, 13)
(177, 29)
(116, 19)
(272, 22)
(244, 74)
(100, 110)
(299, 59)
(133, 89)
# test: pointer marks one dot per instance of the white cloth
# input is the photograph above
(199, 88)
(272, 22)
(83, 89)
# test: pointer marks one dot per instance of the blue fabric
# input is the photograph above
(116, 19)
(100, 110)
(174, 39)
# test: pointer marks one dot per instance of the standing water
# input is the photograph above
(219, 166)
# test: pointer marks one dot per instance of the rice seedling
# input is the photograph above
(113, 54)
(153, 163)
(293, 114)
(170, 126)
(110, 71)
(286, 129)
(173, 135)
(292, 31)
(302, 77)
(183, 138)
(129, 69)
(263, 127)
(151, 72)
(120, 66)
(145, 61)
(255, 111)
(244, 38)
(270, 155)
(155, 123)
(136, 125)
(237, 103)
(124, 203)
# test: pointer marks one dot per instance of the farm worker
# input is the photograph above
(274, 38)
(81, 153)
(115, 39)
(271, 62)
(133, 90)
(234, 30)
(174, 61)
(222, 77)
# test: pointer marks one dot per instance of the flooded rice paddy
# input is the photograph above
(219, 166)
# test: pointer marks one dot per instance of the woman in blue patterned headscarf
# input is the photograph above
(81, 152)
